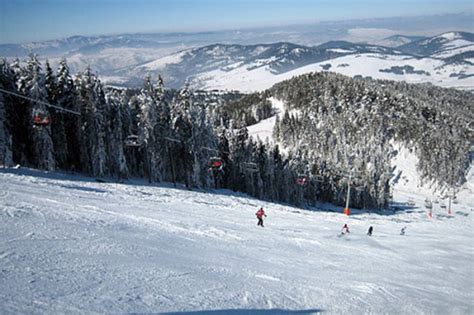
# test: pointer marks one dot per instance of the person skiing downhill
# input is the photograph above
(369, 232)
(260, 214)
(402, 231)
(345, 230)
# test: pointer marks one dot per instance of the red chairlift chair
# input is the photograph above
(40, 118)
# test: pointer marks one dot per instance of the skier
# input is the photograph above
(369, 232)
(402, 231)
(345, 230)
(260, 214)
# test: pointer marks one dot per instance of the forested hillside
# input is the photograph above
(340, 124)
(334, 125)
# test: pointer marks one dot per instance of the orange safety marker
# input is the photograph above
(347, 211)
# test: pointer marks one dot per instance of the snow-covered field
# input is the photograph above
(264, 129)
(70, 244)
(249, 80)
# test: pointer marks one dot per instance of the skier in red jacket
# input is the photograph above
(260, 213)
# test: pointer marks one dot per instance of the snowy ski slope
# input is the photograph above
(264, 129)
(72, 245)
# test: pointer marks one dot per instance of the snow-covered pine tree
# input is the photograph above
(17, 112)
(117, 161)
(261, 180)
(6, 153)
(58, 132)
(163, 131)
(91, 101)
(277, 164)
(99, 154)
(135, 156)
(65, 97)
(17, 69)
(204, 145)
(183, 131)
(32, 84)
(147, 124)
(6, 157)
(241, 172)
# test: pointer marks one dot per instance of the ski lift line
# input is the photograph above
(40, 102)
(173, 139)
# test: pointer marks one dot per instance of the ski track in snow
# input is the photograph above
(72, 245)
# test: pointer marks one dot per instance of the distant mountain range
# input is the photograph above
(441, 45)
(446, 59)
(93, 44)
(399, 40)
(276, 58)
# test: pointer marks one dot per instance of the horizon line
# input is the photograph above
(228, 29)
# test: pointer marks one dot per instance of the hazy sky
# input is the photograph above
(29, 20)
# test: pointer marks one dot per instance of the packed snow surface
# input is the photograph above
(70, 244)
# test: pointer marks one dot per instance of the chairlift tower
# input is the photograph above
(349, 176)
(133, 141)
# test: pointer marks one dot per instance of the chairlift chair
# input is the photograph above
(216, 163)
(455, 200)
(428, 204)
(302, 180)
(132, 141)
(360, 189)
(40, 118)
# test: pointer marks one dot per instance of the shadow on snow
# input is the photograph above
(252, 201)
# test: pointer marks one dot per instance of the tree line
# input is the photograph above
(333, 125)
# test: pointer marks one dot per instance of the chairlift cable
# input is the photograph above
(172, 139)
(40, 102)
